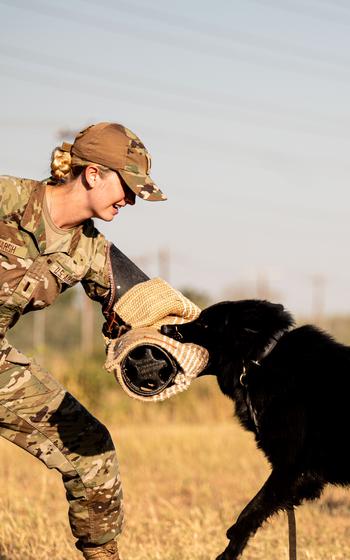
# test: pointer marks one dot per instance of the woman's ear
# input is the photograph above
(91, 176)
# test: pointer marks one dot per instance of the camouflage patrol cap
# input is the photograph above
(116, 147)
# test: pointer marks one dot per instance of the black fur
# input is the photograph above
(299, 396)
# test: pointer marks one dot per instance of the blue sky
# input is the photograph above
(244, 107)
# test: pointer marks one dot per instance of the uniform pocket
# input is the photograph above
(15, 259)
(23, 388)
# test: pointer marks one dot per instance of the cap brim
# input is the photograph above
(142, 186)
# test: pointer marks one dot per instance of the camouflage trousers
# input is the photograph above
(40, 416)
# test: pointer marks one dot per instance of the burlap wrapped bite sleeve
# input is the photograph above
(145, 308)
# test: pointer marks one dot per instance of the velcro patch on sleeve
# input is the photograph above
(62, 274)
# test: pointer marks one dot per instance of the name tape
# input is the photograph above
(62, 274)
(12, 248)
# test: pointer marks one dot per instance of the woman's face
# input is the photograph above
(107, 194)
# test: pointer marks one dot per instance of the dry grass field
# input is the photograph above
(183, 485)
(187, 468)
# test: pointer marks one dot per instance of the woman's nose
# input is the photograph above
(130, 197)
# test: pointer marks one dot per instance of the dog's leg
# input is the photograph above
(281, 490)
(274, 495)
(264, 504)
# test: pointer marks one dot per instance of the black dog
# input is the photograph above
(291, 388)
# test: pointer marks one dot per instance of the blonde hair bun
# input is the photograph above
(61, 164)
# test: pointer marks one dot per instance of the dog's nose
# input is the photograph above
(171, 331)
(168, 330)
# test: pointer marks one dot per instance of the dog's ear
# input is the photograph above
(282, 316)
(262, 314)
(260, 321)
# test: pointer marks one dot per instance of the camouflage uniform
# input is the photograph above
(36, 412)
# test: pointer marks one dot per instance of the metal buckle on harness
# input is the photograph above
(242, 377)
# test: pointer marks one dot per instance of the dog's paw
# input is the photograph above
(234, 548)
(228, 554)
(231, 533)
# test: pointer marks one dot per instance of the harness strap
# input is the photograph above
(268, 349)
(248, 401)
(271, 345)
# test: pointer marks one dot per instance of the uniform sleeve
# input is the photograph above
(8, 195)
(14, 194)
(96, 282)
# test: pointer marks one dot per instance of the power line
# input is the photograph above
(291, 7)
(265, 157)
(233, 36)
(338, 4)
(214, 51)
(257, 117)
(221, 98)
(104, 94)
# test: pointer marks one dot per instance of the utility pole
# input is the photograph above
(262, 286)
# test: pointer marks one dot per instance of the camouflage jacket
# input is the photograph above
(32, 275)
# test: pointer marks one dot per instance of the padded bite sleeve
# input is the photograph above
(124, 274)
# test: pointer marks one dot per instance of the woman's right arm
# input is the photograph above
(111, 274)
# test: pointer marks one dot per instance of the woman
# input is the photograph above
(47, 244)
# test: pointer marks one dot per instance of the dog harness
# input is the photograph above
(243, 377)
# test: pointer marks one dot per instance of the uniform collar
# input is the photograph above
(32, 219)
(33, 222)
